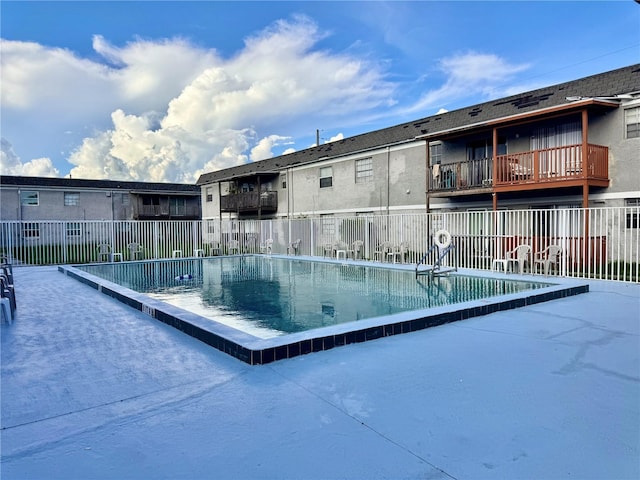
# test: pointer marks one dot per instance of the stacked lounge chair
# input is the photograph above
(7, 291)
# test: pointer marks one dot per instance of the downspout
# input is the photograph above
(259, 199)
(427, 176)
(388, 178)
(494, 155)
(20, 229)
(219, 215)
(20, 205)
(290, 195)
(585, 158)
(585, 184)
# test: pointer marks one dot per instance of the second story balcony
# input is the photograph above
(167, 212)
(546, 168)
(250, 202)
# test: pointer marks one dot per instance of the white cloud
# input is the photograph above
(469, 74)
(10, 164)
(264, 147)
(177, 110)
(168, 110)
(215, 121)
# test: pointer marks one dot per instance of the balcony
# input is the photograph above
(250, 202)
(165, 212)
(545, 168)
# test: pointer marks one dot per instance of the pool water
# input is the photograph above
(268, 297)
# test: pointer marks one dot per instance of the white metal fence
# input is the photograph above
(601, 243)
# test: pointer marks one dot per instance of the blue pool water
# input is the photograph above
(268, 297)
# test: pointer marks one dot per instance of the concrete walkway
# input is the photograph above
(92, 389)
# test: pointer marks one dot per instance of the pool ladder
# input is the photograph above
(437, 268)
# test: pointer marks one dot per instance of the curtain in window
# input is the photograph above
(553, 162)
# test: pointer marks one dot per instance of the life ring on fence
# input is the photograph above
(447, 239)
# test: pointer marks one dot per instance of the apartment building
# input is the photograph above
(575, 144)
(44, 198)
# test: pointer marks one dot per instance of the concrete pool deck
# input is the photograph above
(91, 388)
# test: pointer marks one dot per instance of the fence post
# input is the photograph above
(155, 239)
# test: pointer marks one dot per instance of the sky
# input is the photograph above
(165, 91)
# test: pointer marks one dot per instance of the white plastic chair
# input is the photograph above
(294, 247)
(518, 255)
(381, 251)
(104, 252)
(397, 253)
(135, 251)
(267, 246)
(547, 258)
(233, 246)
(356, 250)
(214, 248)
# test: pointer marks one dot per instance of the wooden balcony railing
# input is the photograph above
(533, 167)
(461, 175)
(166, 211)
(249, 202)
(552, 165)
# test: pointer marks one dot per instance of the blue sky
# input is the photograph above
(166, 91)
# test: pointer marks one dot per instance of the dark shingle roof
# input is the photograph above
(615, 82)
(20, 181)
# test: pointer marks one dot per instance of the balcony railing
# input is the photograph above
(249, 202)
(558, 164)
(462, 175)
(167, 212)
(552, 165)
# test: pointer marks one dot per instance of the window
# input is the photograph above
(435, 153)
(29, 198)
(326, 177)
(31, 230)
(632, 122)
(484, 149)
(178, 206)
(209, 194)
(71, 199)
(73, 229)
(125, 199)
(561, 135)
(364, 170)
(151, 201)
(283, 180)
(633, 212)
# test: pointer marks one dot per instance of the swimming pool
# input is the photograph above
(264, 308)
